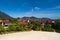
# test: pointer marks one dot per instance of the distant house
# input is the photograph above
(47, 21)
(4, 22)
(23, 23)
(24, 20)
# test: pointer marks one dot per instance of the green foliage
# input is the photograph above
(57, 26)
(14, 21)
(32, 25)
(2, 30)
(4, 16)
(47, 27)
(20, 28)
(12, 28)
(35, 25)
(36, 28)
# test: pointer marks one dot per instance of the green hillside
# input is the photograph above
(4, 16)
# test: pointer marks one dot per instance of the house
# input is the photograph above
(4, 22)
(46, 21)
(24, 20)
(23, 23)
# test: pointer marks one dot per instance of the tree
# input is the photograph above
(35, 25)
(12, 28)
(20, 28)
(47, 27)
(57, 26)
(2, 30)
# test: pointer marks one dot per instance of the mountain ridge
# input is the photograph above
(4, 16)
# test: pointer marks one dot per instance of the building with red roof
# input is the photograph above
(4, 22)
(47, 21)
(23, 23)
(24, 20)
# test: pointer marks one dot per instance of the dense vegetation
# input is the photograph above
(57, 26)
(33, 25)
(2, 30)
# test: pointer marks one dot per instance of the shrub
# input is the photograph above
(47, 27)
(36, 28)
(2, 30)
(12, 28)
(20, 28)
(57, 26)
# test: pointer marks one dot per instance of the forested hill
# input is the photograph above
(4, 16)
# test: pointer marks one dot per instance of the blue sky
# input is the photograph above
(37, 8)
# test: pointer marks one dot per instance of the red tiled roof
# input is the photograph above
(22, 22)
(0, 20)
(44, 21)
(49, 21)
(5, 21)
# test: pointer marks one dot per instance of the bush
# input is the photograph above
(57, 26)
(12, 28)
(20, 28)
(47, 27)
(2, 30)
(36, 28)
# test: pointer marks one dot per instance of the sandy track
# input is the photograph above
(32, 35)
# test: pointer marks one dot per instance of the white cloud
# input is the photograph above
(36, 8)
